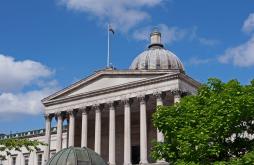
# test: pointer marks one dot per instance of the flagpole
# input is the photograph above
(108, 48)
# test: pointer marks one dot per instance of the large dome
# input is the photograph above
(156, 57)
(76, 156)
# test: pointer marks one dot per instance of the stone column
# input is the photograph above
(177, 96)
(143, 131)
(84, 128)
(59, 131)
(68, 132)
(127, 132)
(48, 118)
(112, 135)
(71, 128)
(97, 140)
(160, 136)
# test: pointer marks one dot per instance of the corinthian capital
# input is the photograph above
(48, 116)
(85, 110)
(98, 107)
(127, 101)
(71, 113)
(177, 92)
(111, 104)
(58, 114)
(159, 94)
(142, 98)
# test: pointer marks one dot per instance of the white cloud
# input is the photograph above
(27, 103)
(208, 42)
(242, 55)
(198, 61)
(173, 34)
(17, 74)
(126, 14)
(248, 25)
(202, 40)
(123, 14)
(22, 86)
(169, 34)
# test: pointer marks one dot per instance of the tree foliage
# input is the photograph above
(7, 145)
(213, 126)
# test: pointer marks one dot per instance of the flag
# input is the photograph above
(111, 29)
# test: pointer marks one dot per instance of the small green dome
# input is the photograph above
(76, 156)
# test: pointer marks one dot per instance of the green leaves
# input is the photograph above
(6, 145)
(211, 126)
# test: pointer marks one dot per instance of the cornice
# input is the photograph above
(105, 72)
(130, 85)
(190, 80)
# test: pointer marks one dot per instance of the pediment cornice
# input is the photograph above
(159, 78)
(99, 74)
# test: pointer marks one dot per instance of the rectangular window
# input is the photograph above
(26, 159)
(39, 159)
(13, 161)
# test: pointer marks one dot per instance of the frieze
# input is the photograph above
(100, 73)
(121, 95)
(114, 89)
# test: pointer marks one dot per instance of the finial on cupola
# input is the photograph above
(155, 38)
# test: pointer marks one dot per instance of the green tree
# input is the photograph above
(209, 127)
(7, 145)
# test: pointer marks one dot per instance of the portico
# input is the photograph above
(111, 110)
(117, 113)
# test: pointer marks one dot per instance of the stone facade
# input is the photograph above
(110, 112)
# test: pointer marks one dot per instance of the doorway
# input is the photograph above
(135, 154)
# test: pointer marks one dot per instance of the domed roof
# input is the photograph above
(156, 57)
(76, 156)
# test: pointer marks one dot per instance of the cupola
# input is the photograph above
(156, 57)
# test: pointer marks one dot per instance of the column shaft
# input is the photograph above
(84, 129)
(177, 96)
(127, 133)
(143, 132)
(97, 140)
(47, 137)
(71, 129)
(59, 132)
(112, 136)
(160, 136)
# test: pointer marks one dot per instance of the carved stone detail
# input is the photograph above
(85, 110)
(159, 94)
(48, 116)
(111, 104)
(58, 113)
(177, 92)
(127, 101)
(142, 99)
(71, 113)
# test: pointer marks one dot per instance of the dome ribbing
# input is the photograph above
(76, 156)
(156, 57)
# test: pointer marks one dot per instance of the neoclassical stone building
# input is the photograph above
(111, 110)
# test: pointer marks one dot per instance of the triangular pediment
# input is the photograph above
(103, 80)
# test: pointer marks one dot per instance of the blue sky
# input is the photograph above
(47, 45)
